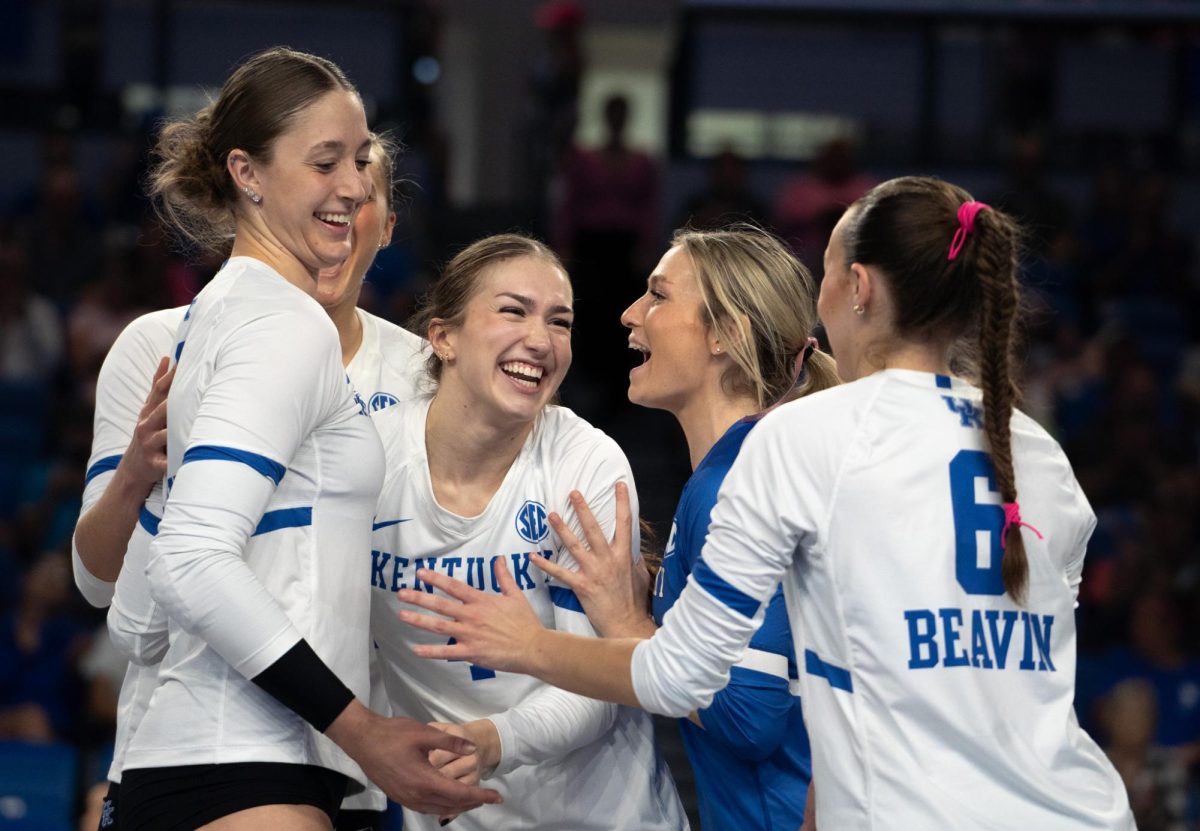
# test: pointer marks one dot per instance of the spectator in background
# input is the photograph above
(1156, 655)
(1041, 211)
(31, 336)
(62, 224)
(608, 233)
(809, 205)
(726, 198)
(553, 107)
(106, 306)
(39, 646)
(1155, 776)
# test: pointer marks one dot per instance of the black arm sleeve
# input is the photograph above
(301, 681)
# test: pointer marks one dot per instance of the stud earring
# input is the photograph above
(254, 197)
(858, 308)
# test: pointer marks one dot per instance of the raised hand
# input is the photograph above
(609, 584)
(498, 631)
(145, 460)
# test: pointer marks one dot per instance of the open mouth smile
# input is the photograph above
(528, 376)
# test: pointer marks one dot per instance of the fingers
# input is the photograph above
(572, 579)
(624, 529)
(432, 602)
(578, 550)
(587, 521)
(504, 578)
(449, 585)
(431, 623)
(463, 768)
(445, 652)
(444, 741)
(453, 796)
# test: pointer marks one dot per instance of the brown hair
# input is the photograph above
(188, 183)
(762, 301)
(904, 228)
(386, 149)
(447, 299)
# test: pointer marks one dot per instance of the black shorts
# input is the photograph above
(186, 797)
(109, 818)
(359, 821)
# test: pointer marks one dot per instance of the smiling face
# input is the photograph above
(340, 285)
(513, 348)
(314, 183)
(666, 324)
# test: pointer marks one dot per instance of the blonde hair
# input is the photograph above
(761, 301)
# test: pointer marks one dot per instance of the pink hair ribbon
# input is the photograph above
(798, 367)
(1012, 519)
(967, 212)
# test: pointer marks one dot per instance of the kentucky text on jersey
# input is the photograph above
(980, 638)
(472, 570)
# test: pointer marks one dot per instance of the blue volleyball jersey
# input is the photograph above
(751, 759)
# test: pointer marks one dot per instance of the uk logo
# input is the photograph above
(106, 814)
(531, 522)
(382, 400)
(362, 407)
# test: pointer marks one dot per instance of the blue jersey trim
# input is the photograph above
(211, 452)
(284, 518)
(178, 350)
(943, 381)
(723, 591)
(102, 466)
(837, 677)
(148, 521)
(566, 599)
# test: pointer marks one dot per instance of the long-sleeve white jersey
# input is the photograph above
(384, 370)
(567, 761)
(273, 470)
(121, 390)
(932, 699)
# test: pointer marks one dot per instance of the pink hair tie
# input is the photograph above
(967, 212)
(802, 358)
(1012, 519)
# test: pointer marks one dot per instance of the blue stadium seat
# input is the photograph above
(37, 787)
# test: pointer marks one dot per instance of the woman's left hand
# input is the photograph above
(608, 583)
(497, 631)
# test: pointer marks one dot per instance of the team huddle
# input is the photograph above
(349, 560)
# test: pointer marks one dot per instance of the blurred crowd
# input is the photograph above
(1112, 370)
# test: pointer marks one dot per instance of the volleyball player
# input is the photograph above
(472, 474)
(929, 536)
(724, 331)
(251, 569)
(383, 361)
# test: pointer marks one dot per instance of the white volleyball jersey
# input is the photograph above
(273, 472)
(932, 699)
(121, 390)
(389, 366)
(567, 761)
(386, 369)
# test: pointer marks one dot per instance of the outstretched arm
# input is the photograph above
(502, 632)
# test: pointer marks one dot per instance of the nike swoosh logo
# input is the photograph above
(376, 526)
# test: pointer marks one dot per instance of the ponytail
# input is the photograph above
(995, 266)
